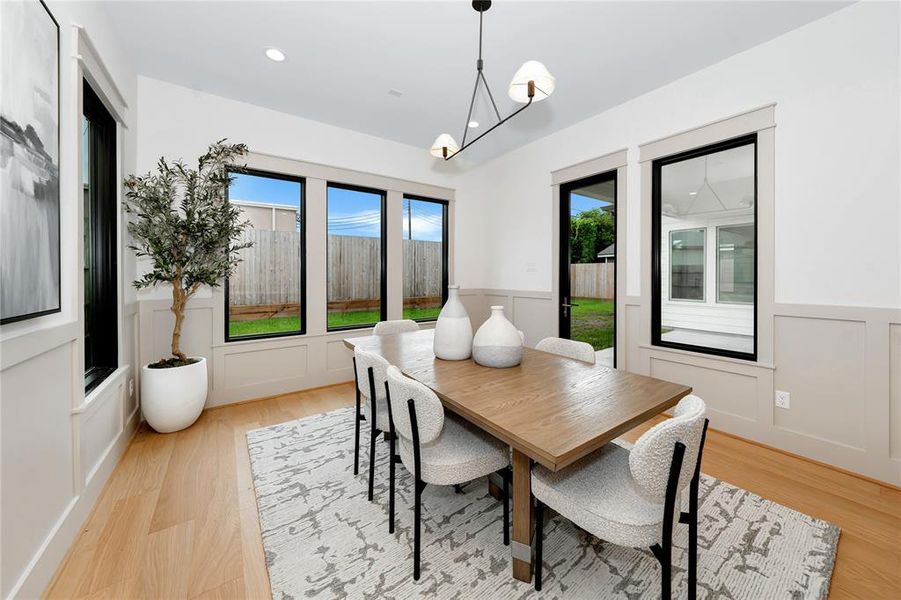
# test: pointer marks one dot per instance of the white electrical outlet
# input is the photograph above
(783, 400)
(131, 388)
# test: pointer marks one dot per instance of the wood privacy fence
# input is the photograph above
(270, 271)
(592, 280)
(422, 269)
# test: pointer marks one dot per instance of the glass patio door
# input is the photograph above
(587, 309)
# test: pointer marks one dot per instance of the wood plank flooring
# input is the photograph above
(178, 518)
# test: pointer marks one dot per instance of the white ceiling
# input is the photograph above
(714, 184)
(343, 57)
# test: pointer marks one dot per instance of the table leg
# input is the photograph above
(522, 516)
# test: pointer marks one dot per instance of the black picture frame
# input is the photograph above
(10, 129)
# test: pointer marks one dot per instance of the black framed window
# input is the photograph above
(266, 294)
(101, 339)
(686, 265)
(356, 257)
(735, 248)
(704, 258)
(425, 233)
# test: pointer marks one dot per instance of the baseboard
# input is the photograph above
(44, 566)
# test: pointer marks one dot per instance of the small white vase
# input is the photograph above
(172, 399)
(497, 343)
(453, 329)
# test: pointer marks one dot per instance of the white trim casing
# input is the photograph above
(602, 164)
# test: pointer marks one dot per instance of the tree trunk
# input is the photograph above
(179, 299)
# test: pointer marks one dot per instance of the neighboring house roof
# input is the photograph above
(240, 202)
(608, 251)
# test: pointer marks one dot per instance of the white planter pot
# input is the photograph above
(453, 330)
(172, 399)
(497, 343)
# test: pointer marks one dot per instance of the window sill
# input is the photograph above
(350, 328)
(96, 378)
(100, 389)
(264, 336)
(704, 355)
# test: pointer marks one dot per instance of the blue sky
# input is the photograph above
(350, 212)
(579, 203)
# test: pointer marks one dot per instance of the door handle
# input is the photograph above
(568, 305)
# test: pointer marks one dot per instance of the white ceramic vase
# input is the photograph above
(497, 343)
(453, 329)
(172, 399)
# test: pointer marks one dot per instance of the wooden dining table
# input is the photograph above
(550, 409)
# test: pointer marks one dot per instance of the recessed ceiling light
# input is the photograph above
(395, 92)
(472, 124)
(275, 54)
(692, 193)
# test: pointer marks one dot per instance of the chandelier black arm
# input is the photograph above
(492, 128)
(472, 102)
(490, 95)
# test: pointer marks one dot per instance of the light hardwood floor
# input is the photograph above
(178, 519)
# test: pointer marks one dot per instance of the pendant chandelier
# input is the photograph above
(531, 83)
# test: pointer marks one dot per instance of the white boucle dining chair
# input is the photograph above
(629, 498)
(569, 348)
(438, 449)
(370, 372)
(398, 326)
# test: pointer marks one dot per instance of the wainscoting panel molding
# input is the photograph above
(841, 364)
(895, 391)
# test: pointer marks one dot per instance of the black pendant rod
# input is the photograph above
(480, 75)
(471, 104)
(492, 128)
(490, 95)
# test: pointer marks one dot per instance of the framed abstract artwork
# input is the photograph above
(29, 162)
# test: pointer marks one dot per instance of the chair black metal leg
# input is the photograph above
(506, 509)
(356, 423)
(693, 545)
(372, 438)
(373, 431)
(392, 460)
(418, 486)
(664, 551)
(693, 520)
(666, 571)
(539, 542)
(391, 470)
(417, 531)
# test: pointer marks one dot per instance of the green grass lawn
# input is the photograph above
(264, 326)
(592, 322)
(361, 318)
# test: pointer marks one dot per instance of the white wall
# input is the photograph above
(174, 121)
(58, 447)
(829, 327)
(835, 82)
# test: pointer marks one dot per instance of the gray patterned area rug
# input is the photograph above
(323, 539)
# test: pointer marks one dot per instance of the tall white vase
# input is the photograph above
(497, 343)
(453, 330)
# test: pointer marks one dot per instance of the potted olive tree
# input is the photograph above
(181, 220)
